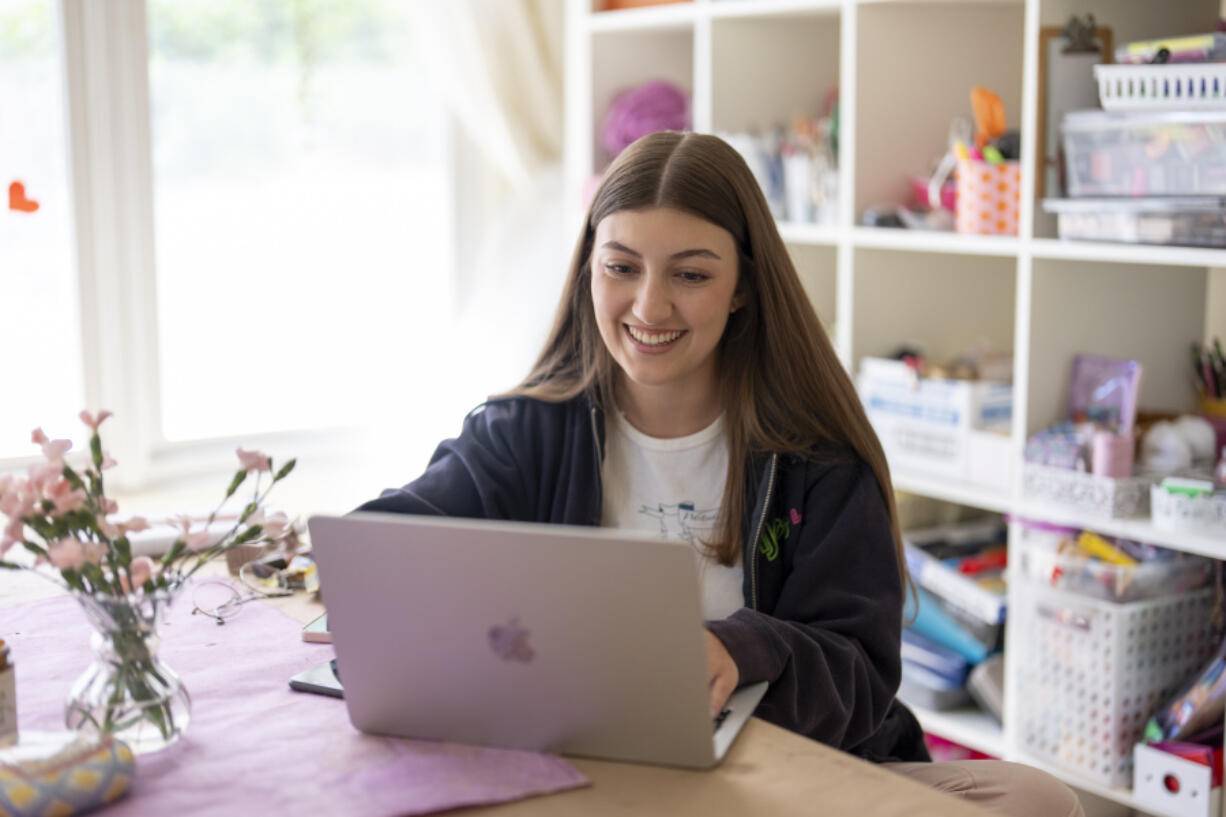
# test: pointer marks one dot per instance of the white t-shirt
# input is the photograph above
(672, 487)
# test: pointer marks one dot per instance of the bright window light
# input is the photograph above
(39, 311)
(299, 212)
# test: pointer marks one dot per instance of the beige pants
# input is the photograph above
(996, 785)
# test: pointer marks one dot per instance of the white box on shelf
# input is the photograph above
(1199, 514)
(1173, 785)
(1086, 493)
(925, 424)
(988, 458)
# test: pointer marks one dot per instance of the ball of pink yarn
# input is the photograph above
(653, 106)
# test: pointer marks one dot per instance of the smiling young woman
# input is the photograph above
(663, 285)
(687, 387)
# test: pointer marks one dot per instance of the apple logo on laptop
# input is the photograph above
(510, 641)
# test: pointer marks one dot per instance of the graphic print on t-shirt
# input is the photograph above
(682, 521)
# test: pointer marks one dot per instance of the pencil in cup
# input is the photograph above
(988, 197)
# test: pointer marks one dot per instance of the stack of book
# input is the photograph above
(955, 624)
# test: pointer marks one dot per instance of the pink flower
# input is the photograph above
(253, 460)
(113, 530)
(109, 530)
(272, 526)
(18, 499)
(43, 476)
(66, 498)
(92, 421)
(134, 525)
(94, 551)
(54, 450)
(141, 570)
(107, 461)
(111, 506)
(66, 554)
(14, 532)
(195, 540)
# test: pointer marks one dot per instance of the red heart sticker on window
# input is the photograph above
(18, 200)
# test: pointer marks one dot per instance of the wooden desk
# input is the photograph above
(768, 770)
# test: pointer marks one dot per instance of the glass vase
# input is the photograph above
(128, 691)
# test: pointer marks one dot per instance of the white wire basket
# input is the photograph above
(1196, 86)
(1087, 493)
(1092, 672)
(1200, 514)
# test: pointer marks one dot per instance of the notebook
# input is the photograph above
(577, 640)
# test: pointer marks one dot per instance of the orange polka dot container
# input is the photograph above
(988, 197)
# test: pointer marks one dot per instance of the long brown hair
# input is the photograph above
(785, 390)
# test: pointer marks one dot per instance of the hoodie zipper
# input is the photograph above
(596, 439)
(757, 537)
(599, 463)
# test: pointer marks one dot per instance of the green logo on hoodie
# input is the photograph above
(775, 531)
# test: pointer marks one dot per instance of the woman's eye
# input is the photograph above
(618, 269)
(694, 277)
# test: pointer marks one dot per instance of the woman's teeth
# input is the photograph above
(654, 338)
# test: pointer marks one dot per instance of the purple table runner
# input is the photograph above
(254, 746)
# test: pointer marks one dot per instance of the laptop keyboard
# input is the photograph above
(721, 717)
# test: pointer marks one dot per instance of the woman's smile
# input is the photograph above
(653, 341)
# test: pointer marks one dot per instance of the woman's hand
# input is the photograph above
(722, 674)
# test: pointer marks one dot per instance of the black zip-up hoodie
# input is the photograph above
(823, 603)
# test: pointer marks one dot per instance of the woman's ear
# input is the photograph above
(738, 300)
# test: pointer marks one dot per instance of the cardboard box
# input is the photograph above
(926, 425)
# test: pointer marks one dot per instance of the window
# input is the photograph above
(243, 223)
(39, 327)
(297, 192)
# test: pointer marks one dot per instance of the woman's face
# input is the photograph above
(663, 285)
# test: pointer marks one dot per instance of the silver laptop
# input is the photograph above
(575, 640)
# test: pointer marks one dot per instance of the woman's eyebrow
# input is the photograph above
(695, 253)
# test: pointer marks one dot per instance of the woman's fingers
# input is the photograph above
(722, 674)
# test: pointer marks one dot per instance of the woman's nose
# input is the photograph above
(652, 303)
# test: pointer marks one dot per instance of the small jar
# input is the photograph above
(8, 697)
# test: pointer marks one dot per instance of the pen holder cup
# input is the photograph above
(988, 197)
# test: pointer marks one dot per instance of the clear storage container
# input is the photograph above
(1189, 222)
(1093, 578)
(1145, 153)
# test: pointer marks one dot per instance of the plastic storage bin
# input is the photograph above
(1145, 154)
(1087, 493)
(1186, 222)
(1091, 672)
(1200, 514)
(1092, 578)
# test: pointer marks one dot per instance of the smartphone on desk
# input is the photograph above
(317, 631)
(323, 679)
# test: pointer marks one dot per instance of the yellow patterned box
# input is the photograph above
(57, 774)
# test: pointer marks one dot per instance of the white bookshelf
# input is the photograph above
(904, 69)
(969, 726)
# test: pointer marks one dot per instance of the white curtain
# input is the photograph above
(498, 66)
